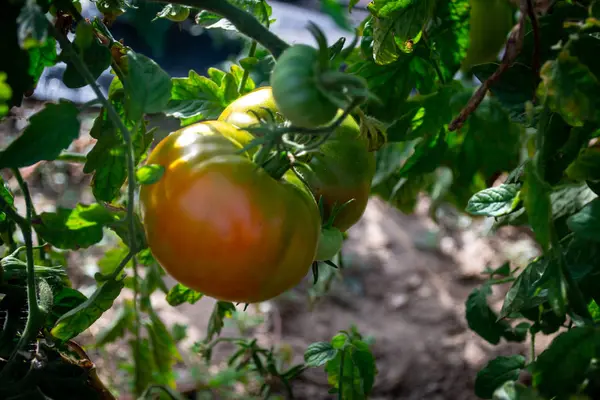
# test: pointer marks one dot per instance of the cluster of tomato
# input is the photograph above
(222, 225)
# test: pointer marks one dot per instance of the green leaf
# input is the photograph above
(111, 259)
(216, 322)
(83, 316)
(180, 294)
(352, 4)
(64, 301)
(570, 89)
(259, 8)
(561, 368)
(119, 324)
(337, 13)
(42, 57)
(148, 87)
(594, 310)
(5, 95)
(163, 348)
(424, 115)
(14, 61)
(515, 391)
(142, 355)
(121, 228)
(199, 97)
(364, 361)
(33, 25)
(513, 89)
(449, 33)
(107, 160)
(427, 156)
(149, 174)
(49, 132)
(586, 222)
(408, 19)
(496, 373)
(96, 57)
(481, 318)
(194, 98)
(385, 50)
(522, 293)
(75, 228)
(494, 201)
(319, 353)
(352, 368)
(339, 341)
(569, 199)
(586, 166)
(492, 144)
(537, 203)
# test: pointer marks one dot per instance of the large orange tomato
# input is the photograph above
(341, 171)
(220, 224)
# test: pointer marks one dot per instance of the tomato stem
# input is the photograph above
(251, 53)
(245, 22)
(34, 316)
(277, 165)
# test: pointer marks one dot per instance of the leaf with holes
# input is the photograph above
(180, 294)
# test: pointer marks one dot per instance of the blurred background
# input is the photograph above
(405, 278)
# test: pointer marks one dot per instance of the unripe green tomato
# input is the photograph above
(296, 91)
(490, 21)
(341, 171)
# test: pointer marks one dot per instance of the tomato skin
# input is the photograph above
(342, 170)
(490, 21)
(295, 91)
(221, 225)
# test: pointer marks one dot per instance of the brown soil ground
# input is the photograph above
(404, 282)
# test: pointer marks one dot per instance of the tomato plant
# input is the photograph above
(259, 182)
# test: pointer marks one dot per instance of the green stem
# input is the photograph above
(532, 349)
(341, 385)
(137, 323)
(116, 120)
(501, 281)
(277, 165)
(114, 275)
(245, 22)
(34, 317)
(246, 75)
(69, 156)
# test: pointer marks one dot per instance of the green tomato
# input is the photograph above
(339, 173)
(490, 21)
(296, 91)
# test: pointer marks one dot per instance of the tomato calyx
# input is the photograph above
(282, 145)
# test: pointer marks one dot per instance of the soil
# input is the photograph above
(404, 283)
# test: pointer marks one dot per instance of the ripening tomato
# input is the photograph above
(341, 171)
(220, 224)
